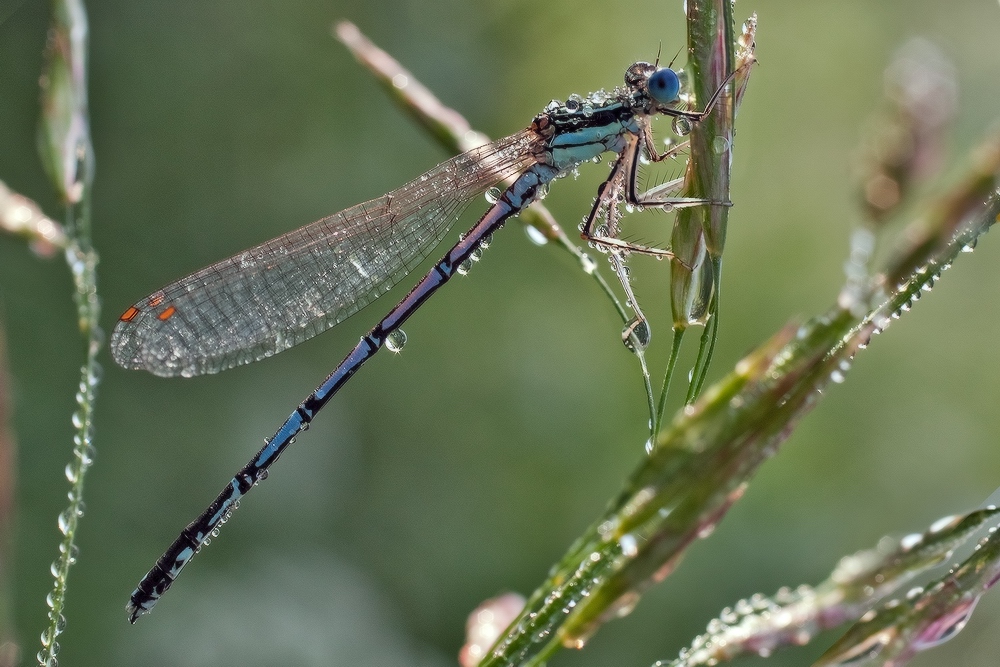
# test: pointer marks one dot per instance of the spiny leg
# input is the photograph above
(636, 333)
(606, 236)
(624, 172)
(663, 195)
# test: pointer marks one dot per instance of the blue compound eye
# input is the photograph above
(664, 86)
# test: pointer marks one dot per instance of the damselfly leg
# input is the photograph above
(602, 226)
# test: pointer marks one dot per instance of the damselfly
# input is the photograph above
(282, 292)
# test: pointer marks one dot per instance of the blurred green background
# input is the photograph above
(465, 466)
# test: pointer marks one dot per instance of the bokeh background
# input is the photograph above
(464, 467)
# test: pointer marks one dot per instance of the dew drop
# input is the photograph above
(95, 375)
(395, 341)
(464, 268)
(65, 521)
(681, 126)
(628, 544)
(493, 195)
(535, 236)
(88, 453)
(636, 334)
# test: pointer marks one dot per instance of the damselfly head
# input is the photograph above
(661, 84)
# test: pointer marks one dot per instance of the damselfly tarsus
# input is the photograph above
(275, 295)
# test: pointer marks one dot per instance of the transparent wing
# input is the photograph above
(277, 294)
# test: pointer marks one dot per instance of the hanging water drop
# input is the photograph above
(493, 195)
(395, 341)
(64, 521)
(464, 268)
(681, 126)
(636, 334)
